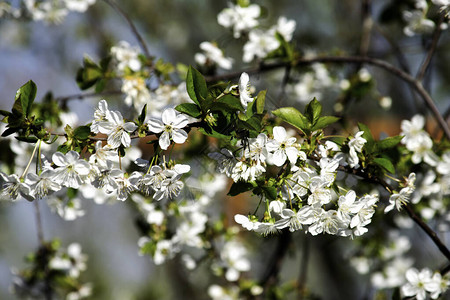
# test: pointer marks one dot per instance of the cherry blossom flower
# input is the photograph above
(282, 147)
(355, 144)
(170, 126)
(213, 55)
(70, 169)
(78, 5)
(286, 28)
(417, 282)
(12, 187)
(260, 44)
(234, 255)
(239, 18)
(117, 129)
(244, 90)
(126, 56)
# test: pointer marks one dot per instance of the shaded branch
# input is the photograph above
(274, 264)
(82, 96)
(435, 39)
(434, 237)
(133, 28)
(415, 84)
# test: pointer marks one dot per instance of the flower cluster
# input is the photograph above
(53, 264)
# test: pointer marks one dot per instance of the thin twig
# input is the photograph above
(40, 231)
(416, 85)
(367, 25)
(274, 264)
(303, 268)
(436, 240)
(82, 96)
(431, 51)
(133, 28)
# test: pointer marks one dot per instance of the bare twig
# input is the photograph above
(40, 231)
(367, 24)
(416, 85)
(133, 28)
(82, 96)
(274, 264)
(435, 39)
(436, 240)
(303, 267)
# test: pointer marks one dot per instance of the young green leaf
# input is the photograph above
(239, 187)
(25, 96)
(313, 111)
(143, 114)
(189, 109)
(82, 132)
(196, 86)
(293, 117)
(389, 142)
(385, 164)
(323, 122)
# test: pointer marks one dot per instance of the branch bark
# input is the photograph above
(415, 84)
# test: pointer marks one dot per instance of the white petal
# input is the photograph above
(155, 125)
(169, 115)
(179, 136)
(129, 126)
(164, 140)
(279, 134)
(82, 167)
(59, 159)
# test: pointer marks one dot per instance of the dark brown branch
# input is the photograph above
(133, 28)
(274, 264)
(436, 240)
(435, 39)
(444, 250)
(416, 85)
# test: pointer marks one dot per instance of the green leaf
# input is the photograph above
(389, 142)
(323, 122)
(385, 164)
(189, 109)
(196, 86)
(25, 96)
(231, 103)
(4, 112)
(270, 192)
(100, 85)
(82, 132)
(239, 187)
(261, 101)
(9, 131)
(211, 132)
(313, 111)
(293, 117)
(143, 114)
(27, 139)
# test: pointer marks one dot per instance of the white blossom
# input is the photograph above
(212, 54)
(239, 18)
(282, 147)
(260, 44)
(170, 126)
(71, 170)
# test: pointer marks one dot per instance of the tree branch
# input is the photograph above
(435, 39)
(82, 96)
(436, 240)
(416, 85)
(133, 28)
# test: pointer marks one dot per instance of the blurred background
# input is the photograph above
(173, 29)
